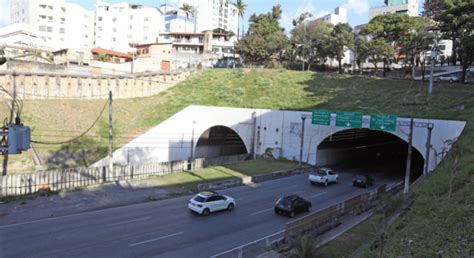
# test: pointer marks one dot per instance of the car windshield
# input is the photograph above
(199, 198)
(321, 172)
(360, 177)
(284, 201)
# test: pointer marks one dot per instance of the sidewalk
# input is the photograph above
(87, 199)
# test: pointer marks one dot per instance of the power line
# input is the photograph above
(75, 138)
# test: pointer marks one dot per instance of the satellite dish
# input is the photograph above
(3, 60)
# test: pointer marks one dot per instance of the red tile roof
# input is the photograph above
(110, 52)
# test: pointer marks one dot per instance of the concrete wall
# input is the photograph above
(56, 85)
(261, 129)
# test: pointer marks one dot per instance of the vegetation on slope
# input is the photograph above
(440, 222)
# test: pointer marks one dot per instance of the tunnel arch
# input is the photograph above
(369, 150)
(219, 140)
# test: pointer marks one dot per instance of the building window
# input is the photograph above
(145, 19)
(99, 18)
(61, 30)
(114, 29)
(114, 19)
(145, 28)
(99, 28)
(42, 28)
(131, 17)
(130, 26)
(49, 29)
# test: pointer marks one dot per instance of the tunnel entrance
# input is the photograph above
(371, 151)
(219, 141)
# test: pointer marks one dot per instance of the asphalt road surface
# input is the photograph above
(167, 228)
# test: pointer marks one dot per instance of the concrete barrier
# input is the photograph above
(252, 179)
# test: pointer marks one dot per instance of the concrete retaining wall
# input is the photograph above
(75, 86)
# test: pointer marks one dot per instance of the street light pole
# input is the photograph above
(408, 168)
(428, 147)
(303, 118)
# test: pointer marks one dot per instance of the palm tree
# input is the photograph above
(187, 10)
(240, 7)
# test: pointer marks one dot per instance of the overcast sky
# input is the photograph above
(357, 9)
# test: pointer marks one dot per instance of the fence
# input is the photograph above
(55, 180)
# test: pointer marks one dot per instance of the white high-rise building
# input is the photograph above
(79, 27)
(213, 14)
(119, 25)
(59, 25)
(339, 16)
(48, 16)
(409, 7)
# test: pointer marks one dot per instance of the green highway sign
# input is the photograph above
(349, 119)
(383, 122)
(321, 117)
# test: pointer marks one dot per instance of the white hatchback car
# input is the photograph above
(323, 176)
(206, 202)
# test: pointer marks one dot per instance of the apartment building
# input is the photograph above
(58, 24)
(117, 26)
(339, 16)
(409, 7)
(212, 14)
(48, 16)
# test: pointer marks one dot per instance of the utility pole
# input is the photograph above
(12, 112)
(428, 147)
(302, 44)
(408, 168)
(303, 118)
(111, 154)
(191, 159)
(413, 104)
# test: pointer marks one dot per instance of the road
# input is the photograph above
(167, 228)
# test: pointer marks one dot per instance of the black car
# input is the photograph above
(363, 180)
(291, 204)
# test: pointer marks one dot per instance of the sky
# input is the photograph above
(358, 10)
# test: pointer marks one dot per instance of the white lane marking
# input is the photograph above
(249, 243)
(129, 221)
(155, 239)
(92, 212)
(262, 211)
(318, 194)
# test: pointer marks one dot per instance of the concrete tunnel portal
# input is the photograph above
(219, 141)
(370, 151)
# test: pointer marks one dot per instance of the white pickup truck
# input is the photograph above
(323, 176)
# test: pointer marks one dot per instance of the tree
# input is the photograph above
(187, 10)
(341, 40)
(456, 21)
(240, 7)
(265, 38)
(301, 42)
(314, 37)
(392, 28)
(376, 49)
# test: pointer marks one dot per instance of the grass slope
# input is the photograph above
(436, 224)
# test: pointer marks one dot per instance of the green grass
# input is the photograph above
(347, 243)
(190, 180)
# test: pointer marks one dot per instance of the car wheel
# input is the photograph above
(326, 183)
(313, 183)
(308, 208)
(292, 214)
(206, 212)
(337, 179)
(230, 207)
